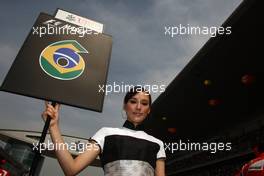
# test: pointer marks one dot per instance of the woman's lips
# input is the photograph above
(137, 113)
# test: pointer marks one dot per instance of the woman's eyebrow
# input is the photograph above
(144, 99)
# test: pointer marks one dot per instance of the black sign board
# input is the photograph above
(61, 62)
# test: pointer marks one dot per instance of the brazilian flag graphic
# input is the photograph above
(61, 60)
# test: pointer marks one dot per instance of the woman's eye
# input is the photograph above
(144, 103)
(133, 101)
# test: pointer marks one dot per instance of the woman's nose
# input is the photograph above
(138, 106)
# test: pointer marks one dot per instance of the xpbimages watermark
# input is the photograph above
(54, 27)
(173, 31)
(122, 88)
(211, 147)
(78, 146)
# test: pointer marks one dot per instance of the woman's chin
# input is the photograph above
(137, 119)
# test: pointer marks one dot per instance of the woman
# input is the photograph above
(123, 151)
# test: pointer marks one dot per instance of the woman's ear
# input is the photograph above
(124, 115)
(149, 111)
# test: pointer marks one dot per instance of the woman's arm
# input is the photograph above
(69, 165)
(160, 167)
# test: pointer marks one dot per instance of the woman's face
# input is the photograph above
(137, 108)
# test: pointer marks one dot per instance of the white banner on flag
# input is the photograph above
(78, 20)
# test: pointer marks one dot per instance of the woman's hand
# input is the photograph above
(52, 112)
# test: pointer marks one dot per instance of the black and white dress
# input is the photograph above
(128, 150)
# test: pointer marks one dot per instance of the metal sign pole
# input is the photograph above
(37, 155)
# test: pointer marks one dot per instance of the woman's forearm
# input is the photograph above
(63, 155)
(69, 165)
